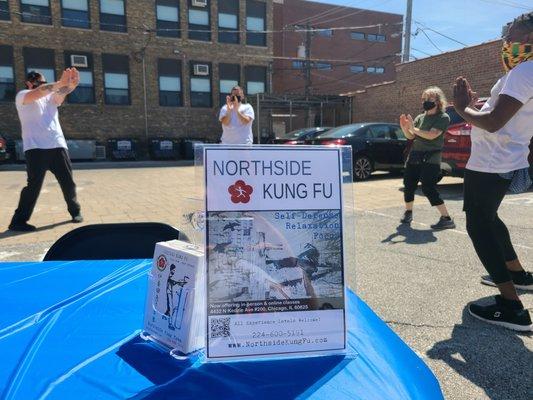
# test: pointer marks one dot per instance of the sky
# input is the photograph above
(467, 21)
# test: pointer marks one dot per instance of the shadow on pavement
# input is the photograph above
(493, 358)
(410, 235)
(7, 233)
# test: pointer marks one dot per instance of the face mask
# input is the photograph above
(428, 105)
(513, 53)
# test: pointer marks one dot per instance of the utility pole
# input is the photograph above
(407, 32)
(307, 69)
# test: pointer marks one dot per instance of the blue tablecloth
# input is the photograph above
(70, 330)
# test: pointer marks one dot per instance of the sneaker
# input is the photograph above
(77, 219)
(522, 280)
(444, 223)
(507, 313)
(21, 227)
(407, 217)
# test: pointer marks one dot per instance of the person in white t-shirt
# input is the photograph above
(236, 117)
(499, 160)
(44, 145)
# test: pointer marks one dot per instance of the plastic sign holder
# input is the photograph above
(279, 234)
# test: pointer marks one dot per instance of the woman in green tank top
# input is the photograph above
(423, 163)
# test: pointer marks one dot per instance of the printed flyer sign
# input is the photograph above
(274, 251)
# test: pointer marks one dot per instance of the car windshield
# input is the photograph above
(297, 133)
(341, 131)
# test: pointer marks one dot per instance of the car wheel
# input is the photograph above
(362, 168)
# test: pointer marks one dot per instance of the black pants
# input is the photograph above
(483, 194)
(38, 161)
(426, 173)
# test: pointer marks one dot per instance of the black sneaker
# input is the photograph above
(444, 223)
(407, 217)
(77, 219)
(507, 313)
(21, 227)
(522, 280)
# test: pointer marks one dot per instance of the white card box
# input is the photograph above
(175, 302)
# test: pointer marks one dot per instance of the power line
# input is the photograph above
(428, 38)
(342, 78)
(423, 52)
(439, 33)
(508, 4)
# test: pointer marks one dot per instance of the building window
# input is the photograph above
(170, 91)
(325, 32)
(255, 23)
(40, 60)
(36, 11)
(322, 66)
(255, 80)
(357, 69)
(199, 22)
(168, 20)
(375, 70)
(358, 35)
(113, 15)
(229, 77)
(4, 10)
(200, 84)
(116, 79)
(7, 74)
(298, 64)
(228, 21)
(75, 13)
(375, 38)
(84, 93)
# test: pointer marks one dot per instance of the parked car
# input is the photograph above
(456, 151)
(457, 143)
(4, 155)
(299, 136)
(375, 146)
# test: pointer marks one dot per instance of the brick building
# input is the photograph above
(148, 67)
(350, 47)
(480, 64)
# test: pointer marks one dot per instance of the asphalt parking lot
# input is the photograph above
(417, 280)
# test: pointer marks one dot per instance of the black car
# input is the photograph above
(375, 146)
(4, 154)
(299, 136)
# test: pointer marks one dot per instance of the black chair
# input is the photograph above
(112, 241)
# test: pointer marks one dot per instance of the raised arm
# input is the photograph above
(404, 124)
(73, 82)
(504, 109)
(47, 88)
(432, 134)
(244, 118)
(225, 120)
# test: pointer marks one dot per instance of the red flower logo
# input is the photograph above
(161, 262)
(240, 192)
